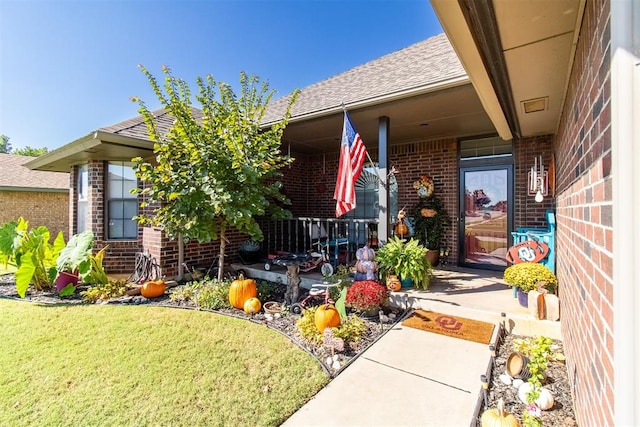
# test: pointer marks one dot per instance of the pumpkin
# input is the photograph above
(153, 288)
(252, 305)
(241, 290)
(365, 266)
(545, 398)
(326, 316)
(393, 283)
(498, 417)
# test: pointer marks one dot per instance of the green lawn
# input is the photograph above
(143, 365)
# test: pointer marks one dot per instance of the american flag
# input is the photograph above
(352, 154)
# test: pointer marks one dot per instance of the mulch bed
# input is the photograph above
(561, 414)
(557, 381)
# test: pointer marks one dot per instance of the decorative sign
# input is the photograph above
(527, 251)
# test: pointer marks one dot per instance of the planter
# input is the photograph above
(406, 283)
(65, 278)
(523, 298)
(516, 366)
(433, 256)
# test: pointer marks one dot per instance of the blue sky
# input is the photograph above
(70, 67)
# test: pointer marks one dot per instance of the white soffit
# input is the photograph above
(538, 42)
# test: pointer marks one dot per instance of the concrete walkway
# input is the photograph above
(407, 378)
(411, 377)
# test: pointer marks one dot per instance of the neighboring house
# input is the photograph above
(42, 198)
(510, 85)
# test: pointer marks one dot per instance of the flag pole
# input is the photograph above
(384, 182)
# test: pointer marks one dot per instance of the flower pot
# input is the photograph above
(65, 278)
(406, 282)
(516, 366)
(433, 256)
(523, 298)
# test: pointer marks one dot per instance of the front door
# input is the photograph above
(485, 219)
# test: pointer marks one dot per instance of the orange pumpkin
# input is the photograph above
(393, 283)
(153, 289)
(252, 305)
(241, 290)
(326, 316)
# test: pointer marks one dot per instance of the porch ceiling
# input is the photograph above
(452, 112)
(527, 50)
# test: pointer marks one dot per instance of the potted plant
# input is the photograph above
(249, 251)
(366, 297)
(526, 276)
(73, 261)
(405, 259)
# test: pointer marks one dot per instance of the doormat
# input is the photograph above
(453, 326)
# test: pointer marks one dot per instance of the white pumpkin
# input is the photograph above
(544, 401)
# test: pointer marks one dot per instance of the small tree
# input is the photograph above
(31, 151)
(5, 145)
(216, 171)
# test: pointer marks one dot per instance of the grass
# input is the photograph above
(122, 365)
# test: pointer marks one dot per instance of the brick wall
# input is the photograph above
(584, 218)
(37, 207)
(529, 213)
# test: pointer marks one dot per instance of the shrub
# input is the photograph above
(366, 295)
(208, 294)
(527, 275)
(350, 330)
(105, 291)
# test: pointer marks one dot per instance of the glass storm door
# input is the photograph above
(486, 194)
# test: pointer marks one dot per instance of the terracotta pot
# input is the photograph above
(393, 283)
(433, 256)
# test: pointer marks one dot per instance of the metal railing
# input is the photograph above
(342, 236)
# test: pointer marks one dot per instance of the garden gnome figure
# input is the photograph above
(293, 284)
(365, 266)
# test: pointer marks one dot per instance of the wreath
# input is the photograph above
(424, 186)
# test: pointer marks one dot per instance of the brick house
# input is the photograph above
(42, 198)
(509, 86)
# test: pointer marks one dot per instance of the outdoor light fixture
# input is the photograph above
(538, 180)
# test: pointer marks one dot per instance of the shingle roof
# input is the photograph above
(14, 175)
(424, 63)
(137, 128)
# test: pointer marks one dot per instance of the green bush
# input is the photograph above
(209, 294)
(105, 291)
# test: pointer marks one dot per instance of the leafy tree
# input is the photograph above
(30, 151)
(5, 145)
(216, 168)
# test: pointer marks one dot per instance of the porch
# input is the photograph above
(465, 292)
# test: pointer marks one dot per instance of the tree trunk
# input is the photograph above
(223, 244)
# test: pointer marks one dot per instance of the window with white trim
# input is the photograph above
(122, 206)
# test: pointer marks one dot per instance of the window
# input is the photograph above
(122, 206)
(492, 146)
(82, 190)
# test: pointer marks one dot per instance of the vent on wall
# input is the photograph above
(533, 105)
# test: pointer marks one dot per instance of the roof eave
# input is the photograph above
(61, 159)
(455, 26)
(378, 100)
